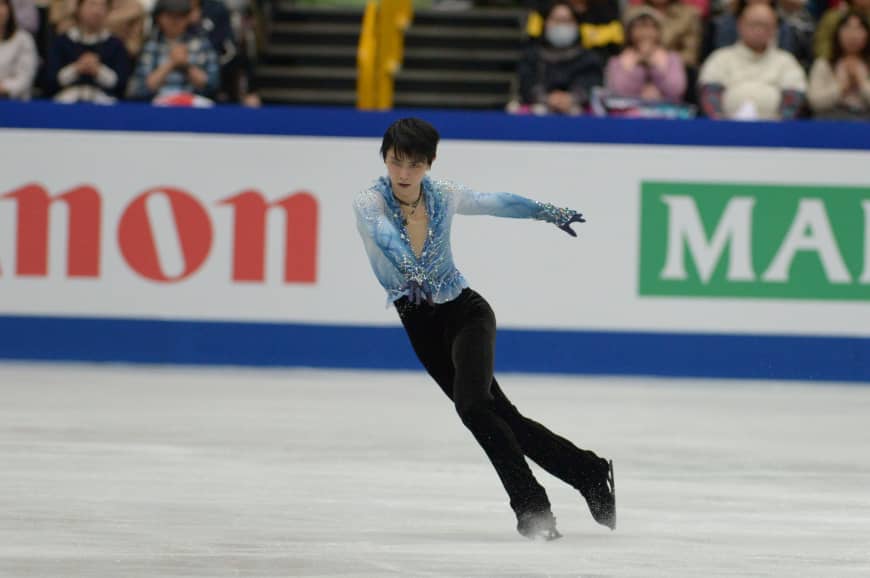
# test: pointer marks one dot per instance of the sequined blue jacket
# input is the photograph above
(379, 219)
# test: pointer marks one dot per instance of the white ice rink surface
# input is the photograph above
(113, 471)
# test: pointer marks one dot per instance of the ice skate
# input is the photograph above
(600, 495)
(538, 525)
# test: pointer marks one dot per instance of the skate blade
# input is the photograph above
(610, 480)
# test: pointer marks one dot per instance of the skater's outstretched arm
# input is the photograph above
(469, 202)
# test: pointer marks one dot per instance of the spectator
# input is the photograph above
(681, 28)
(794, 32)
(600, 25)
(18, 58)
(176, 63)
(702, 7)
(126, 20)
(753, 78)
(26, 15)
(839, 85)
(87, 63)
(210, 18)
(802, 25)
(556, 74)
(645, 69)
(824, 38)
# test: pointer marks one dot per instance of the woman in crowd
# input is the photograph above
(839, 85)
(18, 59)
(87, 63)
(645, 69)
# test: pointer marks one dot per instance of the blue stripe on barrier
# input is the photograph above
(363, 347)
(490, 126)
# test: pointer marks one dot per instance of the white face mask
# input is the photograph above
(561, 35)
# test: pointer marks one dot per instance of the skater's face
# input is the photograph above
(406, 174)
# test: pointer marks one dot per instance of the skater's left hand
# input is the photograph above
(577, 218)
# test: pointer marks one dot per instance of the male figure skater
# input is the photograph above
(405, 223)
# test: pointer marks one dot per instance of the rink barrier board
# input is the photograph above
(487, 126)
(195, 342)
(362, 347)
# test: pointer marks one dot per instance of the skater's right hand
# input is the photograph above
(418, 292)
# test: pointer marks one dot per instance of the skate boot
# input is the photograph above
(600, 494)
(538, 525)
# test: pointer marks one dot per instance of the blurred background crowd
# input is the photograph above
(738, 59)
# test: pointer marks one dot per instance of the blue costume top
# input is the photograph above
(381, 224)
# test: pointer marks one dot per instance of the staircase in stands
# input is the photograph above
(464, 59)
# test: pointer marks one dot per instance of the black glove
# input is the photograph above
(576, 218)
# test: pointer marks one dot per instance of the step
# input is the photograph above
(455, 76)
(438, 100)
(454, 81)
(463, 54)
(307, 55)
(463, 38)
(488, 17)
(462, 59)
(314, 33)
(308, 96)
(289, 11)
(306, 77)
(307, 71)
(449, 32)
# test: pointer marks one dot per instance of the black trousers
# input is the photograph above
(455, 341)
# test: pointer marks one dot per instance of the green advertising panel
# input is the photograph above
(744, 240)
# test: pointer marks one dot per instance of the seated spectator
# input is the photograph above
(753, 79)
(840, 85)
(802, 26)
(681, 28)
(703, 7)
(792, 34)
(556, 74)
(824, 38)
(645, 69)
(26, 15)
(176, 63)
(87, 63)
(126, 20)
(600, 25)
(18, 58)
(210, 18)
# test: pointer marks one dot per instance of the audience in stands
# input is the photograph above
(753, 79)
(600, 25)
(645, 69)
(681, 28)
(211, 19)
(196, 54)
(703, 7)
(839, 86)
(125, 19)
(792, 35)
(18, 57)
(87, 63)
(802, 25)
(823, 40)
(178, 66)
(26, 15)
(556, 74)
